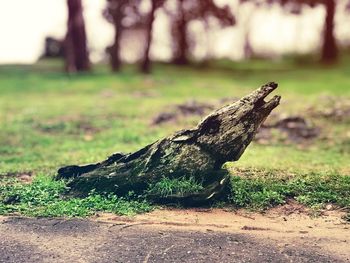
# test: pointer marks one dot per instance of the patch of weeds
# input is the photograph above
(254, 193)
(178, 186)
(314, 190)
(81, 207)
(42, 190)
(43, 197)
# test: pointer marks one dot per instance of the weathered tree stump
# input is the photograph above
(197, 153)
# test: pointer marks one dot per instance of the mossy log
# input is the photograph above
(197, 153)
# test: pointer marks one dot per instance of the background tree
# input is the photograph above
(329, 51)
(146, 62)
(190, 10)
(245, 22)
(117, 12)
(76, 51)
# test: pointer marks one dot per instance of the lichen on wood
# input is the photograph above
(197, 153)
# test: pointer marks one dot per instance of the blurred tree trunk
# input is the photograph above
(146, 63)
(248, 49)
(246, 21)
(76, 51)
(180, 37)
(329, 49)
(194, 10)
(115, 50)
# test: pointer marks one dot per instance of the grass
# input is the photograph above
(50, 119)
(261, 190)
(179, 187)
(44, 197)
(252, 189)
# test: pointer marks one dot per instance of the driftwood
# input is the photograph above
(197, 153)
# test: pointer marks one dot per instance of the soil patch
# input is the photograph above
(189, 108)
(278, 128)
(332, 108)
(175, 235)
(75, 124)
(292, 129)
(24, 177)
(293, 228)
(69, 127)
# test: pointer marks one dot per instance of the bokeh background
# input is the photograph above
(270, 28)
(81, 79)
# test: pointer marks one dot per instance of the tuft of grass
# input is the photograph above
(178, 186)
(313, 189)
(255, 194)
(43, 197)
(253, 189)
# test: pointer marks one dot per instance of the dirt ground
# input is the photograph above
(191, 235)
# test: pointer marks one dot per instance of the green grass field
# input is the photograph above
(49, 119)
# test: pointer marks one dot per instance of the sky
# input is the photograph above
(25, 24)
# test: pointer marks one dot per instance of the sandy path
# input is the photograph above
(327, 232)
(195, 235)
